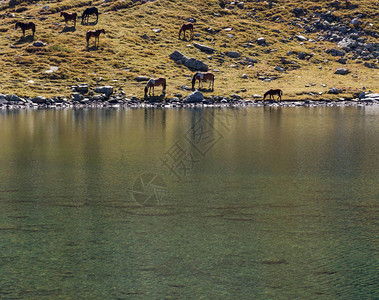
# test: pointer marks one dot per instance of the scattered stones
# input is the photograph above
(342, 71)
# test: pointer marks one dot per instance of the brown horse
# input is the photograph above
(26, 26)
(155, 82)
(203, 77)
(95, 34)
(184, 28)
(273, 93)
(69, 17)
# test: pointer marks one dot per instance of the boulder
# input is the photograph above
(197, 65)
(194, 97)
(204, 48)
(233, 54)
(39, 44)
(261, 41)
(177, 56)
(39, 100)
(342, 71)
(82, 88)
(334, 90)
(142, 78)
(106, 90)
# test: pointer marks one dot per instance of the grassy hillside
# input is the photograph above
(130, 47)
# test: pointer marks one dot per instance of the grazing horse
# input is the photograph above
(273, 93)
(184, 28)
(155, 82)
(26, 26)
(95, 34)
(90, 11)
(69, 17)
(203, 77)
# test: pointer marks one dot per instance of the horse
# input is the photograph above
(90, 11)
(26, 26)
(208, 76)
(155, 82)
(95, 34)
(273, 93)
(69, 17)
(184, 28)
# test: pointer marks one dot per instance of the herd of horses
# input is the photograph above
(153, 82)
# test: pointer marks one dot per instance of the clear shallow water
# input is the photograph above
(273, 203)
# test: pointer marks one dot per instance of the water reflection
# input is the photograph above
(283, 204)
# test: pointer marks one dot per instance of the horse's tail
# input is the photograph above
(194, 80)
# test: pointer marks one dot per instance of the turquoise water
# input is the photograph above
(263, 203)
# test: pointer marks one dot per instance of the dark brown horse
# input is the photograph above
(184, 28)
(69, 17)
(273, 93)
(26, 26)
(202, 77)
(90, 11)
(95, 34)
(155, 82)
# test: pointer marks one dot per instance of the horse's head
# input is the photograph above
(102, 30)
(194, 80)
(62, 13)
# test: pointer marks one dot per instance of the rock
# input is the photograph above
(39, 100)
(77, 97)
(98, 98)
(194, 97)
(195, 64)
(107, 90)
(240, 5)
(336, 52)
(15, 98)
(279, 68)
(355, 22)
(142, 78)
(301, 55)
(244, 76)
(335, 91)
(261, 41)
(82, 88)
(256, 96)
(204, 48)
(362, 95)
(342, 71)
(177, 56)
(178, 95)
(342, 60)
(157, 30)
(233, 54)
(39, 44)
(299, 12)
(301, 38)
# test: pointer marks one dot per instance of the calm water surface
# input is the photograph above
(261, 203)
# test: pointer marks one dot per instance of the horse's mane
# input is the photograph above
(194, 78)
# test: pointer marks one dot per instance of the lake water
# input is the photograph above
(255, 203)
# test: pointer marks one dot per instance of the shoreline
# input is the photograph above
(57, 103)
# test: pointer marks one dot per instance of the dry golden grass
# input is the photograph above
(124, 53)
